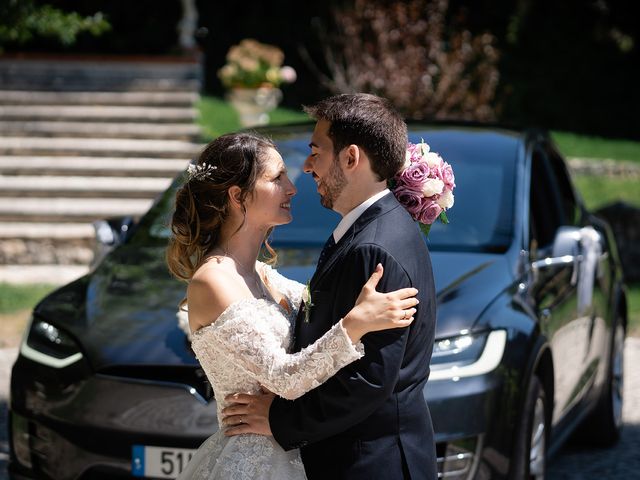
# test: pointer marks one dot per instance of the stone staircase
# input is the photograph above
(82, 141)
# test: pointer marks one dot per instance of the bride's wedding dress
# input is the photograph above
(247, 346)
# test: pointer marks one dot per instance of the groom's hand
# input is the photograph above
(247, 414)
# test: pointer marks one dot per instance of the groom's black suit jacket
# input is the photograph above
(369, 421)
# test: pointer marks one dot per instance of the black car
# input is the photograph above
(532, 314)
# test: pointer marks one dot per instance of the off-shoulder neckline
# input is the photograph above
(220, 320)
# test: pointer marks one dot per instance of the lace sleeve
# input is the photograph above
(245, 336)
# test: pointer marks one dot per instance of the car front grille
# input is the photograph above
(191, 377)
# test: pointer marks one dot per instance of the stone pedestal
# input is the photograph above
(254, 104)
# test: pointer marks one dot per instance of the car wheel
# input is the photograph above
(603, 426)
(530, 454)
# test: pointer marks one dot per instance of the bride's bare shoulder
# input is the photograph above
(213, 287)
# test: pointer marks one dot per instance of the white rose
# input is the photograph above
(424, 148)
(433, 159)
(446, 199)
(432, 186)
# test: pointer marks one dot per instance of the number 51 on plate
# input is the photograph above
(159, 462)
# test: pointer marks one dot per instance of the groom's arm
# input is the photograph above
(359, 389)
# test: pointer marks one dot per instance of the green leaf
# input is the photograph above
(425, 228)
(443, 217)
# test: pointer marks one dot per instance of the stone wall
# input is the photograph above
(46, 251)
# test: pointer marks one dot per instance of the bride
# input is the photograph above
(242, 311)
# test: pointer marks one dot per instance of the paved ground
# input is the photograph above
(572, 463)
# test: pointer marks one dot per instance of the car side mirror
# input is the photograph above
(565, 250)
(110, 233)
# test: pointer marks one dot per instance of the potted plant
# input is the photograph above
(253, 73)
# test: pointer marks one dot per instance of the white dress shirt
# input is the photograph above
(351, 217)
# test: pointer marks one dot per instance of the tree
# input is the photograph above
(21, 20)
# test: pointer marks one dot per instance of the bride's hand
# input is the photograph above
(376, 311)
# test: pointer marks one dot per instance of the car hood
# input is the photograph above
(466, 284)
(125, 312)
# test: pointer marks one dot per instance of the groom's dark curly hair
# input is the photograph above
(368, 121)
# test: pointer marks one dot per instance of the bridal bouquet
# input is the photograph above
(424, 186)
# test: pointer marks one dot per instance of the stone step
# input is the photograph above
(144, 99)
(92, 166)
(100, 147)
(71, 210)
(110, 74)
(49, 274)
(161, 131)
(57, 84)
(98, 113)
(92, 187)
(35, 251)
(28, 243)
(64, 231)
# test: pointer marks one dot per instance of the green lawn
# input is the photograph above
(14, 298)
(600, 191)
(218, 117)
(573, 145)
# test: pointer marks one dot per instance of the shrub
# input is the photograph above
(406, 52)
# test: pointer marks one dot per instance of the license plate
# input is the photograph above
(159, 462)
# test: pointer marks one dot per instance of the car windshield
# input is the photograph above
(481, 219)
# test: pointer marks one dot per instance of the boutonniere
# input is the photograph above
(307, 303)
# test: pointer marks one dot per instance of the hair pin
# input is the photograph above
(202, 171)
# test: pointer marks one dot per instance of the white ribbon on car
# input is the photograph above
(591, 250)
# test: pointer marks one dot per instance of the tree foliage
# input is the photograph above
(409, 52)
(22, 20)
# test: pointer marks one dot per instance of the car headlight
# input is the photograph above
(49, 345)
(467, 355)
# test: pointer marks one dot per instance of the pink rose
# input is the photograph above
(429, 213)
(414, 176)
(447, 176)
(415, 152)
(410, 200)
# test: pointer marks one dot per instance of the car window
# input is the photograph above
(546, 214)
(484, 167)
(481, 219)
(568, 204)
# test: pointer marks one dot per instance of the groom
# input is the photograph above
(369, 421)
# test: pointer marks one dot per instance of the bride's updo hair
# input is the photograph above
(202, 203)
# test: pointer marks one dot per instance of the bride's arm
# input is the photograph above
(243, 333)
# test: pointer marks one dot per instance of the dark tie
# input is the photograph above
(326, 251)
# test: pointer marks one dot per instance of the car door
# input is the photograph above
(554, 284)
(591, 301)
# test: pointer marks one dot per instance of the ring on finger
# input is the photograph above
(404, 315)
